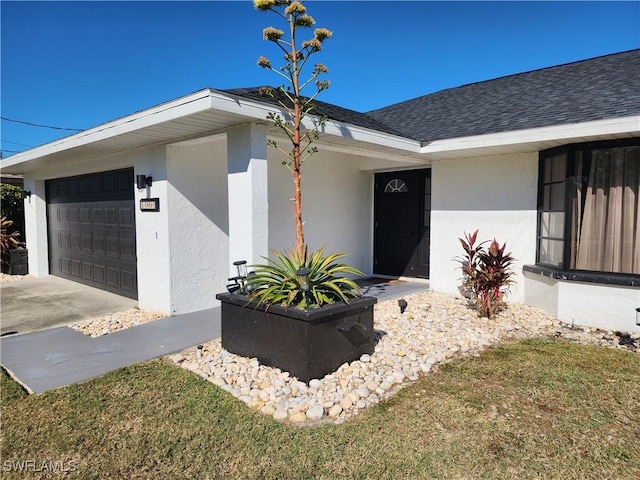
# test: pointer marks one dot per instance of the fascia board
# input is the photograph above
(585, 130)
(194, 103)
(257, 110)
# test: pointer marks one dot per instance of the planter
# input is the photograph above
(307, 344)
(19, 261)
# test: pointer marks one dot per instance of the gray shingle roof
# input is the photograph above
(333, 112)
(594, 89)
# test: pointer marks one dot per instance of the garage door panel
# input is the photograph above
(128, 281)
(99, 245)
(113, 277)
(75, 269)
(99, 274)
(110, 216)
(97, 216)
(86, 269)
(92, 230)
(85, 215)
(127, 248)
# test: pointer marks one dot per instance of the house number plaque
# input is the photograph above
(150, 205)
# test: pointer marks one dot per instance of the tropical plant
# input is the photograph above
(279, 282)
(12, 206)
(486, 273)
(8, 239)
(295, 107)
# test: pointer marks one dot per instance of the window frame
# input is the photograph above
(563, 271)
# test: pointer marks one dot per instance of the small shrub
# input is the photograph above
(486, 273)
(277, 283)
(12, 206)
(8, 240)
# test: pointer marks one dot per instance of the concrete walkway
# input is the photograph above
(61, 356)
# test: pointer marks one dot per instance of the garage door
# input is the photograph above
(92, 230)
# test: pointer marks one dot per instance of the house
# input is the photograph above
(546, 160)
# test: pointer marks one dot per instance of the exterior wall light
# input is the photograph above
(26, 194)
(638, 316)
(142, 181)
(302, 275)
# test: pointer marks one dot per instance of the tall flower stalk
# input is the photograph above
(289, 95)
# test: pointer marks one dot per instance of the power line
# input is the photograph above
(41, 126)
(16, 143)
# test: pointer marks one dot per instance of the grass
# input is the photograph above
(527, 410)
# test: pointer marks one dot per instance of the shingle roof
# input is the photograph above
(333, 112)
(594, 89)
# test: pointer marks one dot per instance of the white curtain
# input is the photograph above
(607, 237)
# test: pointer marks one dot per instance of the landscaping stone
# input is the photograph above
(114, 322)
(434, 329)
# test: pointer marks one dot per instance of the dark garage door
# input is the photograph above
(92, 230)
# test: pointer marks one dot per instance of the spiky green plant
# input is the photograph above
(277, 283)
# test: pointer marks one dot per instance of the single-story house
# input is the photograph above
(547, 161)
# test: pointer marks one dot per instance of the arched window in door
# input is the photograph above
(396, 186)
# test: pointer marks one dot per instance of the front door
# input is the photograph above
(402, 223)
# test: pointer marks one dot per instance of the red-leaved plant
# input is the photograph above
(8, 239)
(486, 273)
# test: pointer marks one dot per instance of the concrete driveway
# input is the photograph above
(41, 303)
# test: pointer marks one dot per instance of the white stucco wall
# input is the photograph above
(496, 195)
(337, 206)
(248, 198)
(35, 222)
(198, 223)
(609, 307)
(152, 231)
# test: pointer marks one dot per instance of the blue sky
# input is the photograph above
(79, 64)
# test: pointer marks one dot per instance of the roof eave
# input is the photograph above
(534, 139)
(201, 105)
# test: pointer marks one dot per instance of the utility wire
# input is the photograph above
(41, 126)
(16, 143)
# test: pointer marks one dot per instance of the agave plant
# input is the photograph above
(278, 282)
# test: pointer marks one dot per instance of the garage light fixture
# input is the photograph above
(142, 181)
(26, 194)
(638, 316)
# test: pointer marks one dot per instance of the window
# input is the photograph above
(589, 207)
(396, 186)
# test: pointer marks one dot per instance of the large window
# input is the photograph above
(589, 207)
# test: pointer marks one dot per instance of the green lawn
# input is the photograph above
(527, 410)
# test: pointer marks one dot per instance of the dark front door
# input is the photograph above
(92, 230)
(402, 223)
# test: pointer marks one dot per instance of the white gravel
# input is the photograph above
(114, 322)
(434, 329)
(5, 277)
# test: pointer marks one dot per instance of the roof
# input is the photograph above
(322, 109)
(595, 89)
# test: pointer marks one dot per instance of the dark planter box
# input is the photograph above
(307, 344)
(19, 261)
